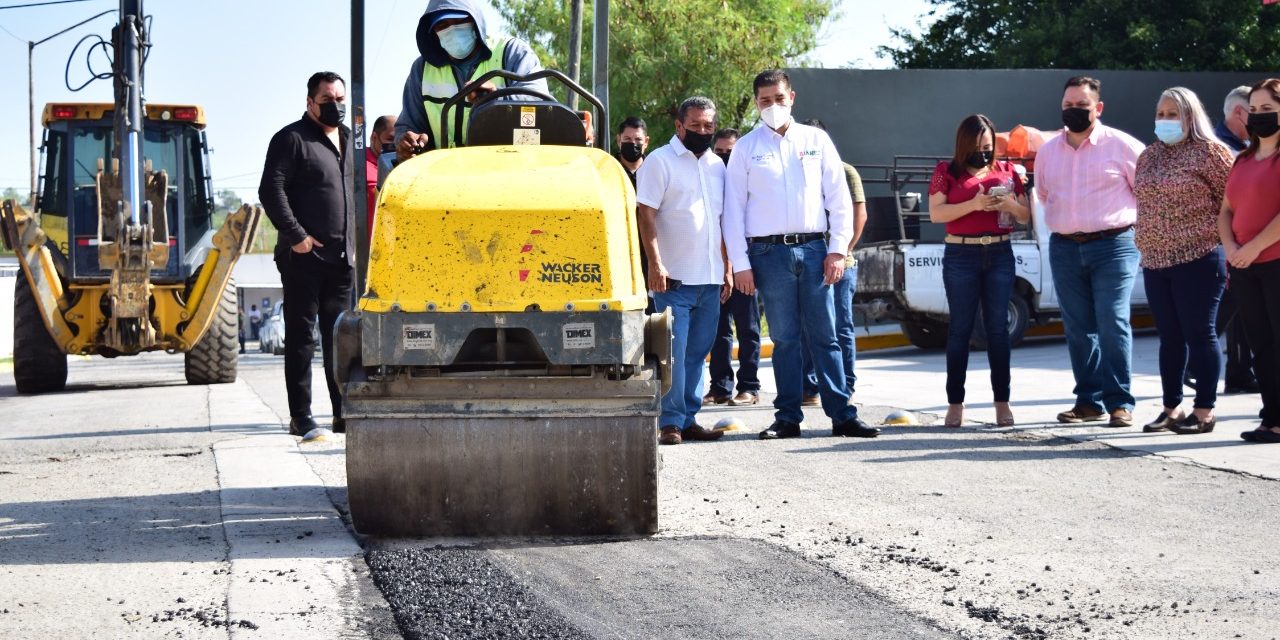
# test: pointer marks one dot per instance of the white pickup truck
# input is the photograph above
(902, 280)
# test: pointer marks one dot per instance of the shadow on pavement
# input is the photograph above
(179, 527)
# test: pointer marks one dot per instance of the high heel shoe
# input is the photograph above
(954, 418)
(1192, 425)
(1004, 418)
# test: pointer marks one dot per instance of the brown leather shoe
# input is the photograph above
(810, 401)
(699, 433)
(1121, 418)
(745, 398)
(670, 435)
(712, 398)
(1079, 414)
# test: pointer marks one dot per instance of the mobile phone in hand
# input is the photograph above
(673, 284)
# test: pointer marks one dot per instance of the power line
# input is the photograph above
(40, 4)
(11, 34)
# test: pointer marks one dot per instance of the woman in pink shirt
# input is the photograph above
(979, 199)
(1179, 183)
(1249, 225)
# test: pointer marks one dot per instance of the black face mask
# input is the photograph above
(630, 151)
(331, 113)
(1263, 125)
(1076, 119)
(979, 159)
(724, 156)
(697, 142)
(388, 148)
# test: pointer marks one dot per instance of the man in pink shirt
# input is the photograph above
(1084, 178)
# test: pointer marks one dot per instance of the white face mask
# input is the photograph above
(776, 116)
(458, 41)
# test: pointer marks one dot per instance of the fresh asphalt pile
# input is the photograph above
(460, 593)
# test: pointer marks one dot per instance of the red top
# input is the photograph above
(974, 223)
(1254, 191)
(370, 184)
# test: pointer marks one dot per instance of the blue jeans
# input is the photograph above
(845, 335)
(976, 276)
(1094, 281)
(798, 304)
(1184, 300)
(696, 308)
(744, 313)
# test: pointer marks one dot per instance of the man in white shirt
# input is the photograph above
(788, 219)
(680, 196)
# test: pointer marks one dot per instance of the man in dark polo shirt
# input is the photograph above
(308, 192)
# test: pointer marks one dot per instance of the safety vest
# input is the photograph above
(438, 85)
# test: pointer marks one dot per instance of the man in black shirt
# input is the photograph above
(308, 192)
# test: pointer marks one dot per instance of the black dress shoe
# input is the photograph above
(1192, 425)
(301, 425)
(854, 428)
(699, 433)
(339, 425)
(781, 429)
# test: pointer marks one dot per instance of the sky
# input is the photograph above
(247, 64)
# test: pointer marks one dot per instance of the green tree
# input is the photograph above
(1175, 35)
(227, 201)
(663, 52)
(22, 197)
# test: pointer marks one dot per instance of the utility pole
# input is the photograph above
(575, 49)
(600, 66)
(358, 137)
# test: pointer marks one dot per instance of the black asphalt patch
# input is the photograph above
(461, 593)
(646, 588)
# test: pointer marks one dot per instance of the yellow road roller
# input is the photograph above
(500, 375)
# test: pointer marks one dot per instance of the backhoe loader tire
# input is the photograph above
(213, 360)
(39, 364)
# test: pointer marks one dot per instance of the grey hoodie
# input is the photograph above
(517, 58)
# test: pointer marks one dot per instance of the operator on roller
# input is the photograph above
(456, 48)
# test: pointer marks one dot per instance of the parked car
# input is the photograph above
(271, 333)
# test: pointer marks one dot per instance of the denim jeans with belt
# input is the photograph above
(797, 304)
(1184, 300)
(846, 335)
(978, 276)
(1257, 292)
(696, 309)
(1094, 281)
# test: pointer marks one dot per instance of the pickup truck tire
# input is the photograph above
(925, 334)
(1019, 318)
(39, 364)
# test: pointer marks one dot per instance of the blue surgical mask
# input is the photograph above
(459, 40)
(1170, 131)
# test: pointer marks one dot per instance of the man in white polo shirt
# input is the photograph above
(788, 220)
(680, 196)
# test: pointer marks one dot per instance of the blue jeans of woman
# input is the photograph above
(1184, 300)
(978, 276)
(796, 302)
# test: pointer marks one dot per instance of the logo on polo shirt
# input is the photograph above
(763, 157)
(811, 153)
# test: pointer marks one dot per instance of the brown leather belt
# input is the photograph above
(1081, 238)
(984, 240)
